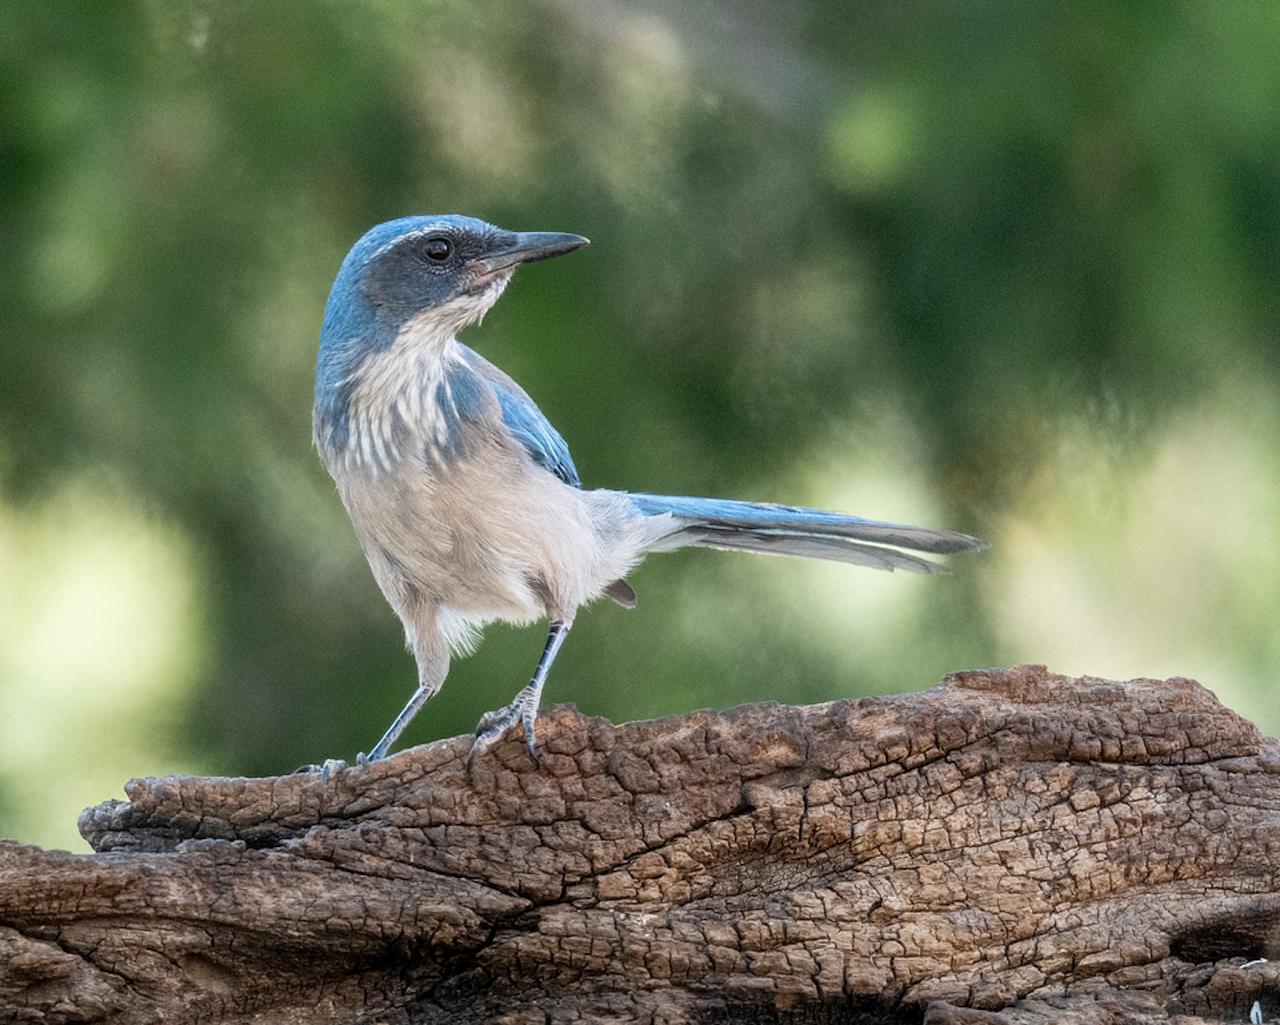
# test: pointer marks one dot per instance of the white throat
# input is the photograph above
(398, 404)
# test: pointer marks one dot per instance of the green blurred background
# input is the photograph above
(1009, 268)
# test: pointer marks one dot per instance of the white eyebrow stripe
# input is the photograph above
(415, 233)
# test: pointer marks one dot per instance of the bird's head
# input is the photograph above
(439, 272)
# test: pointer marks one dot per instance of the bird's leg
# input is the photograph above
(425, 692)
(524, 708)
(433, 666)
(432, 656)
(421, 696)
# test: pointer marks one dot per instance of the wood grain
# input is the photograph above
(1012, 846)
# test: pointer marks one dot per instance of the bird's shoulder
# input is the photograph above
(522, 417)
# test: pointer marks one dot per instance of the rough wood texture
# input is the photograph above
(1010, 847)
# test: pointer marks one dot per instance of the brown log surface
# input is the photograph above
(1012, 846)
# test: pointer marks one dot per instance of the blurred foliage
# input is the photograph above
(1003, 267)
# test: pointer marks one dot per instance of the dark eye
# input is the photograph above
(438, 249)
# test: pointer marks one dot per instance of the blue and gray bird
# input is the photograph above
(465, 498)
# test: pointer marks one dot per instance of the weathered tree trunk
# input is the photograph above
(1011, 846)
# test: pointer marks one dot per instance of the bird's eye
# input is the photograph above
(437, 249)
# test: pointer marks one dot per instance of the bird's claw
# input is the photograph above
(330, 766)
(493, 726)
(326, 768)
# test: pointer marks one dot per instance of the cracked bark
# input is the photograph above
(1010, 847)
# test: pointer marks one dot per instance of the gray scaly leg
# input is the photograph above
(420, 697)
(524, 708)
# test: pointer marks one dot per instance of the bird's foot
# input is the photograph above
(330, 766)
(494, 725)
(327, 768)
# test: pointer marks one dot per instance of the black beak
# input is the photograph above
(528, 247)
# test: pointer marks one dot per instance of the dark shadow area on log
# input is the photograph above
(1012, 846)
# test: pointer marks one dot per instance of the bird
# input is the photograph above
(463, 496)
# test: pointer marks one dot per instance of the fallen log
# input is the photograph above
(1012, 846)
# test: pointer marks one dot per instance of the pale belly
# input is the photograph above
(484, 542)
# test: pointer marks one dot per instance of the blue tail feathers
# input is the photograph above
(791, 530)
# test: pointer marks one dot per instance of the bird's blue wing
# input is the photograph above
(534, 431)
(522, 417)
